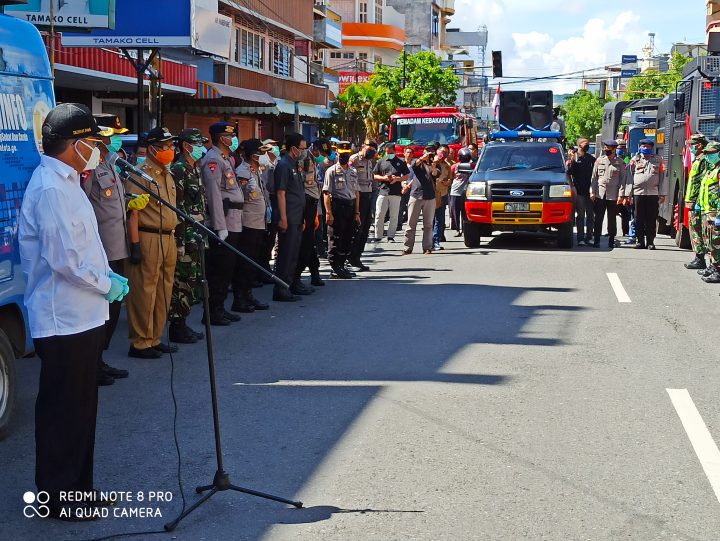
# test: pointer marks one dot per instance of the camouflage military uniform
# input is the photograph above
(191, 200)
(697, 172)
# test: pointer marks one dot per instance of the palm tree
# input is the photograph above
(372, 103)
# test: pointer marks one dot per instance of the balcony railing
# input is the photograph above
(277, 87)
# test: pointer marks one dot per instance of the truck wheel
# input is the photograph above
(471, 234)
(682, 238)
(7, 384)
(565, 236)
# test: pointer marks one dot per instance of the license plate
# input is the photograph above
(517, 207)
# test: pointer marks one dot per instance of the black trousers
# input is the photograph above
(363, 230)
(115, 307)
(288, 252)
(250, 243)
(220, 269)
(66, 410)
(308, 256)
(647, 208)
(625, 217)
(601, 207)
(403, 214)
(340, 233)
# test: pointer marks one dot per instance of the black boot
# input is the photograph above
(281, 294)
(611, 242)
(316, 280)
(713, 277)
(697, 263)
(115, 373)
(217, 317)
(256, 303)
(241, 303)
(298, 288)
(180, 333)
(706, 271)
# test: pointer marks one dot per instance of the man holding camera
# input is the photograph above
(422, 200)
(580, 167)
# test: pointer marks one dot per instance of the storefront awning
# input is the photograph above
(305, 109)
(216, 98)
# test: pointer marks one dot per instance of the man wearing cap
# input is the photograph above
(709, 202)
(606, 183)
(422, 200)
(224, 204)
(580, 167)
(190, 196)
(328, 152)
(389, 173)
(308, 257)
(647, 186)
(364, 163)
(69, 285)
(256, 215)
(625, 209)
(106, 192)
(341, 197)
(698, 169)
(151, 279)
(289, 214)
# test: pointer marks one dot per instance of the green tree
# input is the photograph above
(427, 82)
(653, 84)
(583, 113)
(371, 102)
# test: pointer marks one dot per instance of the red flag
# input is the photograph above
(496, 102)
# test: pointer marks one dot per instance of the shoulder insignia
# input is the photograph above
(212, 166)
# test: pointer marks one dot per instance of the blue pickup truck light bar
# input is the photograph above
(525, 134)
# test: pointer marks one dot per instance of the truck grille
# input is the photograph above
(530, 192)
(500, 217)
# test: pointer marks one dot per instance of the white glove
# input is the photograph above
(223, 234)
(180, 251)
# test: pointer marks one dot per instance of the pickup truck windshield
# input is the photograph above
(529, 157)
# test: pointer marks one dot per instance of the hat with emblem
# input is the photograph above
(344, 147)
(323, 145)
(222, 127)
(254, 146)
(712, 147)
(610, 143)
(271, 142)
(158, 135)
(69, 121)
(193, 136)
(647, 141)
(112, 123)
(621, 142)
(370, 143)
(698, 139)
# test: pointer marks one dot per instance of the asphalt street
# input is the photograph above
(497, 393)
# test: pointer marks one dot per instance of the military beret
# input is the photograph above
(647, 141)
(610, 143)
(222, 127)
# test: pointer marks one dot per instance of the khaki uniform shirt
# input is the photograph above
(646, 176)
(256, 197)
(365, 175)
(107, 196)
(341, 183)
(608, 178)
(221, 184)
(150, 216)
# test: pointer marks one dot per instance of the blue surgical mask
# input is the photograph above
(235, 143)
(139, 160)
(115, 143)
(276, 150)
(620, 153)
(646, 151)
(333, 156)
(197, 152)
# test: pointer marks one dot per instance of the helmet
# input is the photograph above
(464, 155)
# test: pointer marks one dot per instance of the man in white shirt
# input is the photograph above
(69, 286)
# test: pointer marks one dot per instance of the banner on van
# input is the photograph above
(66, 13)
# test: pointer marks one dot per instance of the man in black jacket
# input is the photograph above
(580, 166)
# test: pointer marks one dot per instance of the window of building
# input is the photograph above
(335, 54)
(252, 50)
(378, 61)
(363, 14)
(348, 55)
(281, 59)
(378, 11)
(362, 61)
(236, 48)
(435, 24)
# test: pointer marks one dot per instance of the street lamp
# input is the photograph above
(404, 65)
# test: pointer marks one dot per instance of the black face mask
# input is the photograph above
(369, 154)
(584, 148)
(343, 159)
(608, 152)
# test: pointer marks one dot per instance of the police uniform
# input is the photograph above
(366, 186)
(341, 184)
(646, 184)
(709, 200)
(190, 193)
(151, 280)
(224, 207)
(692, 190)
(106, 193)
(606, 185)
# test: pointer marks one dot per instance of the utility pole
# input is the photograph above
(52, 37)
(404, 65)
(356, 71)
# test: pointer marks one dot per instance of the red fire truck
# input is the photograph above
(416, 127)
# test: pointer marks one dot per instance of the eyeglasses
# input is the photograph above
(168, 146)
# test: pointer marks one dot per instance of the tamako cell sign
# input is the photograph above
(66, 13)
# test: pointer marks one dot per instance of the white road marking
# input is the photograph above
(705, 447)
(618, 288)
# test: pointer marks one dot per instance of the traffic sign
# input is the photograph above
(629, 59)
(629, 73)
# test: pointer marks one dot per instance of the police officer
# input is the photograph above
(191, 200)
(224, 207)
(698, 169)
(647, 187)
(606, 182)
(256, 215)
(709, 200)
(106, 192)
(289, 210)
(364, 163)
(341, 196)
(151, 279)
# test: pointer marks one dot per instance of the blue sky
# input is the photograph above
(544, 37)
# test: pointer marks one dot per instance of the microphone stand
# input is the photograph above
(221, 480)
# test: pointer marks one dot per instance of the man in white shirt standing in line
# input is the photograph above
(69, 286)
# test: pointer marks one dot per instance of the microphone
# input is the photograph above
(129, 169)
